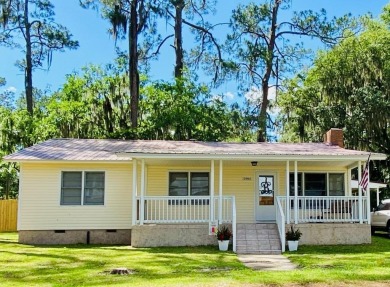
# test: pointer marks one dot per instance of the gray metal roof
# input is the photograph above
(116, 150)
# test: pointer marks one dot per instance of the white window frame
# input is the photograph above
(188, 180)
(83, 172)
(327, 180)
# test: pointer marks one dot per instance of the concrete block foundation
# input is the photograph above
(52, 237)
(171, 235)
(333, 233)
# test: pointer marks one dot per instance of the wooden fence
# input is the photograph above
(8, 214)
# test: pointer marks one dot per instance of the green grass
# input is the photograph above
(81, 265)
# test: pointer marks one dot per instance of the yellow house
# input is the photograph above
(175, 193)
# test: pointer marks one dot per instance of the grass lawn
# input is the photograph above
(81, 265)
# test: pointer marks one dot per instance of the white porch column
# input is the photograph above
(296, 210)
(142, 203)
(212, 175)
(360, 192)
(288, 191)
(220, 191)
(377, 196)
(368, 194)
(134, 194)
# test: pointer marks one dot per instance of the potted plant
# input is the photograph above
(292, 237)
(223, 235)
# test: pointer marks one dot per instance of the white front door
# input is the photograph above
(266, 187)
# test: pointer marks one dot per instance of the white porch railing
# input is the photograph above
(280, 221)
(324, 208)
(184, 209)
(187, 209)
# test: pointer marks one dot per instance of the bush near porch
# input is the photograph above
(27, 265)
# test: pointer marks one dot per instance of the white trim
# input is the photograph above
(360, 193)
(368, 194)
(211, 180)
(188, 171)
(118, 161)
(220, 190)
(134, 193)
(242, 157)
(288, 191)
(20, 192)
(142, 200)
(327, 173)
(83, 171)
(296, 191)
(266, 172)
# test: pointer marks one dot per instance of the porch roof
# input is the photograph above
(122, 150)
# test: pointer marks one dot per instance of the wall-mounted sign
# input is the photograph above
(266, 185)
(246, 178)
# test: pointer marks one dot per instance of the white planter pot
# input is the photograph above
(292, 245)
(223, 245)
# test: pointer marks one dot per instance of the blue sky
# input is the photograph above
(97, 47)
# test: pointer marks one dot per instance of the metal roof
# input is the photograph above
(120, 150)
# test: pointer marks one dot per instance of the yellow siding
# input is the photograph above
(39, 199)
(40, 207)
(233, 182)
(8, 214)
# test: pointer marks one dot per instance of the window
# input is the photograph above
(94, 188)
(292, 186)
(315, 184)
(318, 184)
(71, 188)
(336, 184)
(82, 188)
(189, 184)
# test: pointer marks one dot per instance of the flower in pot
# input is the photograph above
(223, 235)
(292, 237)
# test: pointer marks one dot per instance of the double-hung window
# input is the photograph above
(82, 188)
(318, 184)
(189, 184)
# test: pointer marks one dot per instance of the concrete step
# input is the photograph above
(258, 239)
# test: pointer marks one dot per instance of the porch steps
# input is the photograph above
(259, 238)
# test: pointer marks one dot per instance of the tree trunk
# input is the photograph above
(133, 65)
(179, 6)
(262, 120)
(28, 72)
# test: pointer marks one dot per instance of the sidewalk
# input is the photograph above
(266, 262)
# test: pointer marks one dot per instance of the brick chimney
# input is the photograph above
(334, 137)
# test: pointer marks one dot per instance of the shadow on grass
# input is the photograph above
(380, 243)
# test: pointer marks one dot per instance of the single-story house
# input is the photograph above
(174, 193)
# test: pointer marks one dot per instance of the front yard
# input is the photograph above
(26, 265)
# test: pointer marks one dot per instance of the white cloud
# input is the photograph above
(229, 95)
(254, 95)
(11, 89)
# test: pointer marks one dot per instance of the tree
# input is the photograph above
(191, 13)
(34, 21)
(183, 110)
(264, 49)
(348, 87)
(134, 17)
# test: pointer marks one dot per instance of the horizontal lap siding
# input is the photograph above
(40, 207)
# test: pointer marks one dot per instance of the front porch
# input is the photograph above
(234, 196)
(178, 221)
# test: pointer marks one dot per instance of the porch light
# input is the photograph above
(254, 163)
